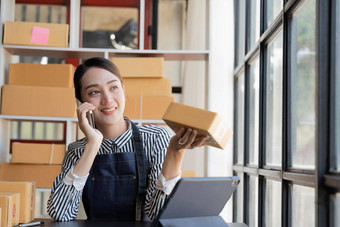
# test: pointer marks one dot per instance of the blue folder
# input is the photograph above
(197, 202)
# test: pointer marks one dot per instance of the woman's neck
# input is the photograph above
(115, 130)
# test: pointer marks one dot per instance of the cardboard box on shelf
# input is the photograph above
(205, 122)
(36, 34)
(38, 153)
(146, 107)
(43, 175)
(147, 87)
(132, 107)
(38, 101)
(27, 197)
(140, 66)
(10, 209)
(50, 75)
(154, 107)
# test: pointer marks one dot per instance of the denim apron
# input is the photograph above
(116, 186)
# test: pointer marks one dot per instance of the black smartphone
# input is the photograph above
(90, 117)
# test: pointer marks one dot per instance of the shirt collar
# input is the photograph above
(121, 140)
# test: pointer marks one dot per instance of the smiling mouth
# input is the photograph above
(108, 110)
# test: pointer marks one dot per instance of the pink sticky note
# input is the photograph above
(40, 35)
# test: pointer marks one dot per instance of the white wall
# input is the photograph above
(221, 42)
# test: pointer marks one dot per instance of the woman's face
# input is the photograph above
(105, 91)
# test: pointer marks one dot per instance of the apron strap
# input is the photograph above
(141, 170)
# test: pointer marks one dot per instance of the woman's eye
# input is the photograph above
(114, 87)
(93, 92)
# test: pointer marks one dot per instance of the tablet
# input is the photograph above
(198, 197)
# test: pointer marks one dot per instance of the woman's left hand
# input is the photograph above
(186, 139)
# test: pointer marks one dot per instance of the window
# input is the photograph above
(240, 13)
(289, 128)
(272, 203)
(254, 22)
(254, 92)
(253, 201)
(302, 74)
(273, 8)
(274, 84)
(303, 205)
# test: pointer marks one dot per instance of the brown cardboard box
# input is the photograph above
(132, 107)
(154, 107)
(0, 216)
(36, 34)
(43, 175)
(147, 87)
(50, 75)
(38, 101)
(140, 66)
(205, 122)
(146, 107)
(38, 153)
(10, 206)
(27, 197)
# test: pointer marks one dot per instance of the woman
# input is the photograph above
(122, 171)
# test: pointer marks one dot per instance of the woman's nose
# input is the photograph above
(106, 97)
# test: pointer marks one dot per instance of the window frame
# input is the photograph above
(322, 178)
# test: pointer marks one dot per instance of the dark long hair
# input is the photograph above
(97, 62)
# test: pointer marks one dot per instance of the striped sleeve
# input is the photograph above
(155, 198)
(63, 203)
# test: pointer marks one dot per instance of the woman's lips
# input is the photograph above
(109, 111)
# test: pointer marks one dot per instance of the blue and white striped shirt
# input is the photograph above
(64, 200)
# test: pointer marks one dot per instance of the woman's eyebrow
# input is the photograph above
(112, 81)
(96, 85)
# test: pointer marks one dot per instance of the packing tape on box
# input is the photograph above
(51, 153)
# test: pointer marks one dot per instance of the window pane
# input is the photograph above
(335, 210)
(254, 31)
(240, 31)
(253, 201)
(303, 206)
(239, 199)
(337, 89)
(273, 203)
(254, 104)
(240, 119)
(274, 102)
(303, 93)
(114, 27)
(273, 8)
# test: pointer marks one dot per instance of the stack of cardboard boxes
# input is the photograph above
(147, 92)
(37, 90)
(17, 200)
(33, 90)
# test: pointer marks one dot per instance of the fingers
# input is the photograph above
(189, 139)
(82, 110)
(199, 141)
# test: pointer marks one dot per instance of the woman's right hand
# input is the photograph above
(92, 134)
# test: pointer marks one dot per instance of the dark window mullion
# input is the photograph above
(285, 217)
(323, 31)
